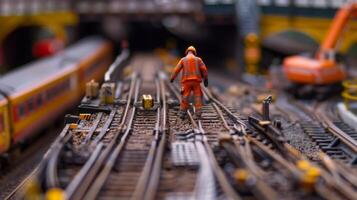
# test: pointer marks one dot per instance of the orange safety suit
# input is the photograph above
(193, 70)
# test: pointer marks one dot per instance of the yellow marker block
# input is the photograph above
(241, 175)
(73, 126)
(55, 194)
(84, 116)
(147, 101)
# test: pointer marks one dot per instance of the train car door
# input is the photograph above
(5, 137)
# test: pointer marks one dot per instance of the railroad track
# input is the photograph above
(130, 158)
(322, 131)
(287, 158)
(115, 128)
(125, 151)
(15, 174)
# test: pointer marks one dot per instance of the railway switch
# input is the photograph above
(92, 89)
(266, 103)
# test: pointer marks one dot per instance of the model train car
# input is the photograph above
(36, 94)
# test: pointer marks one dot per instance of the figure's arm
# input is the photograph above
(204, 72)
(177, 70)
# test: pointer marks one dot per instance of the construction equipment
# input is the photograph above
(322, 69)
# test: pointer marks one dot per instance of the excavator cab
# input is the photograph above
(312, 71)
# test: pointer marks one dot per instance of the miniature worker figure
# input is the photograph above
(193, 71)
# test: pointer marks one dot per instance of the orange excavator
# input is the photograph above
(322, 70)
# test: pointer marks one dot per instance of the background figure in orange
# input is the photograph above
(193, 71)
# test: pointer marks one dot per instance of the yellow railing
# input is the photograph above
(54, 21)
(350, 91)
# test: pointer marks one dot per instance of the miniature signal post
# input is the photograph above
(193, 71)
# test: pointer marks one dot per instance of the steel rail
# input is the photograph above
(105, 127)
(92, 129)
(329, 181)
(347, 139)
(243, 152)
(84, 182)
(225, 185)
(142, 185)
(113, 112)
(104, 173)
(124, 55)
(153, 184)
(260, 189)
(227, 188)
(220, 104)
(51, 168)
(76, 181)
(295, 156)
(348, 189)
(292, 168)
(34, 175)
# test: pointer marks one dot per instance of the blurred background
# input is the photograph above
(233, 36)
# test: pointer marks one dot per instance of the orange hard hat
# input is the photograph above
(191, 48)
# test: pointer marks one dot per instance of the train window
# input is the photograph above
(1, 123)
(31, 105)
(21, 111)
(39, 100)
(57, 90)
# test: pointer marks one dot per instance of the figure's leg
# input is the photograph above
(197, 92)
(184, 99)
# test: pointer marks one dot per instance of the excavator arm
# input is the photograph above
(339, 22)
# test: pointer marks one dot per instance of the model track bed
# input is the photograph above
(128, 151)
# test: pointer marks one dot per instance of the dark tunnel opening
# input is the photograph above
(17, 46)
(218, 48)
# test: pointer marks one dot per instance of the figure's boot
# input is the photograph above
(183, 114)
